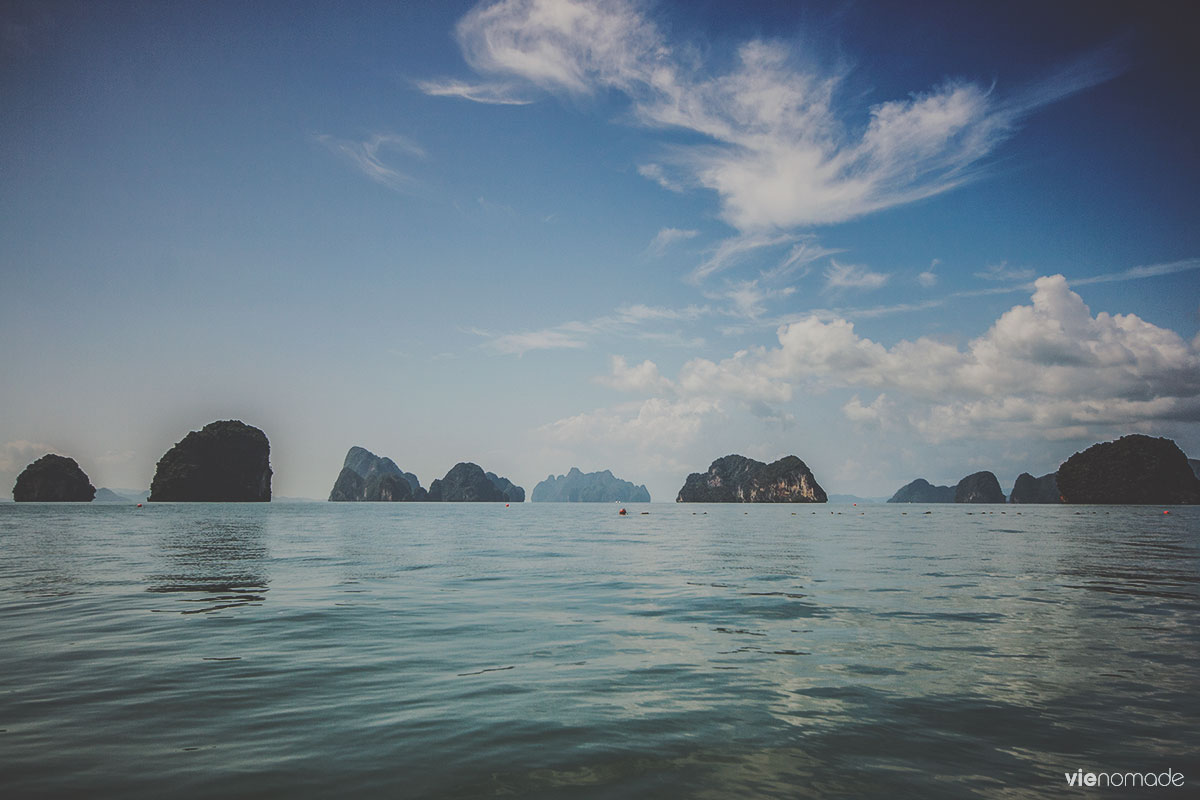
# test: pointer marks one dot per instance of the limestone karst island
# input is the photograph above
(229, 461)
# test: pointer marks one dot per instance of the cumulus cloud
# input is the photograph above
(1050, 368)
(643, 378)
(779, 152)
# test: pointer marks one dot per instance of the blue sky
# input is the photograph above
(895, 241)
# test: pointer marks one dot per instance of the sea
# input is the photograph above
(420, 650)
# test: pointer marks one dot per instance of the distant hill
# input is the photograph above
(588, 487)
(853, 498)
(109, 496)
(922, 491)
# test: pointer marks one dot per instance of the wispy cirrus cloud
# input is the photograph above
(631, 321)
(852, 276)
(779, 149)
(667, 237)
(368, 157)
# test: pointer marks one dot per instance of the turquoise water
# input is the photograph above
(447, 650)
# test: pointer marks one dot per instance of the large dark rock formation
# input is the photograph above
(1132, 470)
(514, 493)
(922, 491)
(53, 479)
(978, 487)
(223, 462)
(468, 483)
(591, 487)
(1029, 489)
(737, 479)
(368, 477)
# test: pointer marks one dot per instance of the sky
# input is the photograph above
(897, 240)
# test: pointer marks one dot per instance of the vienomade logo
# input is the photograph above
(1079, 778)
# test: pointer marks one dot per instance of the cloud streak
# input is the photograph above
(367, 157)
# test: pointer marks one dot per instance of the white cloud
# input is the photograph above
(1050, 369)
(747, 298)
(491, 93)
(627, 320)
(667, 237)
(733, 250)
(654, 424)
(852, 276)
(929, 278)
(520, 343)
(780, 154)
(367, 157)
(1003, 272)
(803, 253)
(643, 378)
(876, 413)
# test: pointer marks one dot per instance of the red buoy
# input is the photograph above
(621, 512)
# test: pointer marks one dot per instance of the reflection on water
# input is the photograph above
(446, 650)
(213, 565)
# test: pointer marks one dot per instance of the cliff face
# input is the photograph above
(979, 487)
(514, 493)
(53, 479)
(1029, 489)
(366, 477)
(225, 461)
(468, 483)
(1134, 469)
(922, 491)
(737, 479)
(591, 487)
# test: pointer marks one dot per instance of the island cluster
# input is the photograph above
(229, 461)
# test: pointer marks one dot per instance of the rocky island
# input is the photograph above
(589, 487)
(737, 479)
(1029, 489)
(366, 477)
(53, 479)
(979, 487)
(468, 483)
(223, 462)
(1133, 470)
(922, 491)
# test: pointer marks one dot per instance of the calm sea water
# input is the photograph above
(422, 650)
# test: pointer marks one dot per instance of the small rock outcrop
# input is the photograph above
(979, 487)
(53, 479)
(589, 487)
(1029, 489)
(366, 477)
(514, 493)
(1133, 470)
(468, 483)
(737, 479)
(922, 491)
(223, 462)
